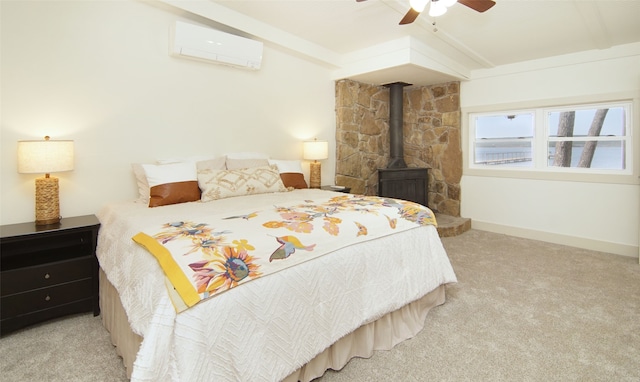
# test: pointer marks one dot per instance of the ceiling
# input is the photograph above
(363, 41)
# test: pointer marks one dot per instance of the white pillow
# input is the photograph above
(287, 165)
(290, 173)
(234, 164)
(141, 182)
(172, 183)
(218, 163)
(168, 173)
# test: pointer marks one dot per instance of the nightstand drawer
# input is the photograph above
(16, 254)
(46, 298)
(46, 275)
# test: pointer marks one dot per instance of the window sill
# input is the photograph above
(559, 175)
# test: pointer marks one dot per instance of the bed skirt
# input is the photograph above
(382, 334)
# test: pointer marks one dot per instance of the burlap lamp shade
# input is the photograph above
(45, 157)
(315, 150)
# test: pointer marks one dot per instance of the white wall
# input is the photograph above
(592, 214)
(99, 73)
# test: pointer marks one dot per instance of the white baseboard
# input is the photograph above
(573, 241)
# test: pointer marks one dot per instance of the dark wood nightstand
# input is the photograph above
(47, 271)
(346, 190)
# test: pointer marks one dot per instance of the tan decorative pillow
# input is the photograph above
(247, 155)
(211, 164)
(220, 184)
(234, 164)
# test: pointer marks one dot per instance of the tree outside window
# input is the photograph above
(588, 138)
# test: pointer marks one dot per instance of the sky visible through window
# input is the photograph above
(613, 122)
(521, 125)
(504, 126)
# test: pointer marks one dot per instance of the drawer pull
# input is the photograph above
(47, 298)
(47, 276)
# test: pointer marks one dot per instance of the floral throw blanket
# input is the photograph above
(204, 258)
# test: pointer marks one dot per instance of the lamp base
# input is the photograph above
(314, 175)
(47, 201)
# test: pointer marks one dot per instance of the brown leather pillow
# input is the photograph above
(293, 179)
(173, 193)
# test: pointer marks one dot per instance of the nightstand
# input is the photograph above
(346, 190)
(47, 271)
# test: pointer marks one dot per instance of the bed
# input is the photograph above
(337, 300)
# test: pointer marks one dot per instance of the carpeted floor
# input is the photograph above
(523, 310)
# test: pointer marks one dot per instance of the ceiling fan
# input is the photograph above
(439, 7)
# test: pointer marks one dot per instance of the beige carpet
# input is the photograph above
(522, 310)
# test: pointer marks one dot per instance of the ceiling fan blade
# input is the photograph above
(410, 17)
(478, 5)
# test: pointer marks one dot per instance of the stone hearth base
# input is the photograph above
(452, 226)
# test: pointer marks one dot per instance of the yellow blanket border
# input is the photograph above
(180, 281)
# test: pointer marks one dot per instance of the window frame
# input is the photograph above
(540, 168)
(627, 138)
(473, 140)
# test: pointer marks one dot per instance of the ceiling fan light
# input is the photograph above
(448, 3)
(437, 8)
(418, 5)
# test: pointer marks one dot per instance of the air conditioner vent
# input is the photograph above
(206, 44)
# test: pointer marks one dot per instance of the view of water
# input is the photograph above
(607, 156)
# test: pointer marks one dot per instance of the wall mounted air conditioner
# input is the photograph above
(192, 41)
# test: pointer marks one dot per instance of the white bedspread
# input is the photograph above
(268, 328)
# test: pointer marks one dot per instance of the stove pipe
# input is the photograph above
(396, 140)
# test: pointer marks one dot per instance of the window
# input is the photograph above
(594, 138)
(591, 137)
(504, 139)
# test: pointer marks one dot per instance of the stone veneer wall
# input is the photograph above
(432, 138)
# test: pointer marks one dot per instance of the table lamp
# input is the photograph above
(46, 156)
(315, 150)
